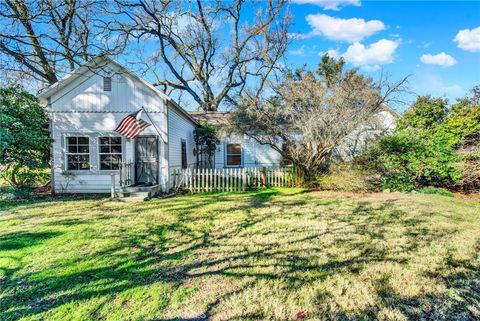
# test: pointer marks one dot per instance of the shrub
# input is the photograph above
(25, 176)
(25, 181)
(345, 177)
(24, 138)
(412, 158)
(435, 190)
(470, 175)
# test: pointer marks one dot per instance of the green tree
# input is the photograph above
(422, 151)
(412, 158)
(206, 140)
(24, 138)
(464, 119)
(308, 114)
(425, 113)
(331, 69)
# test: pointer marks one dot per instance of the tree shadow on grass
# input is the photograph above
(20, 240)
(153, 256)
(8, 204)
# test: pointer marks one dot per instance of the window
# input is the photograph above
(107, 83)
(78, 153)
(184, 153)
(234, 155)
(110, 152)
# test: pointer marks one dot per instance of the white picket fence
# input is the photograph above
(233, 179)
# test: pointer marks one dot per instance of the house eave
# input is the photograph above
(99, 62)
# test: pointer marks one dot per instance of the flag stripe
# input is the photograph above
(127, 120)
(131, 127)
(136, 130)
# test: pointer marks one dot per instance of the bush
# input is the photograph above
(349, 178)
(435, 190)
(412, 158)
(21, 182)
(470, 175)
(24, 137)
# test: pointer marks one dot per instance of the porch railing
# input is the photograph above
(126, 174)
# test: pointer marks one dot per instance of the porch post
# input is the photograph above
(112, 191)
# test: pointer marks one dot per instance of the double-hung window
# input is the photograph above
(234, 155)
(110, 152)
(78, 153)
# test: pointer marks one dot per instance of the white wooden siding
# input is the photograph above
(253, 153)
(86, 95)
(179, 127)
(96, 125)
(361, 138)
(82, 108)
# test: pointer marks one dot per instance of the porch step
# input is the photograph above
(134, 194)
(155, 188)
(138, 193)
(132, 198)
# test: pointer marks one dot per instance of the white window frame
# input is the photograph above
(67, 153)
(227, 154)
(99, 153)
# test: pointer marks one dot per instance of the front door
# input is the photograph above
(146, 160)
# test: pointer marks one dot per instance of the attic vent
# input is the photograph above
(107, 83)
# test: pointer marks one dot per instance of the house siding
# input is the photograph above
(361, 138)
(253, 153)
(82, 108)
(179, 127)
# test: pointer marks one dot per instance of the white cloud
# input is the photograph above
(298, 52)
(350, 30)
(331, 53)
(297, 36)
(330, 4)
(468, 39)
(441, 59)
(371, 56)
(371, 68)
(425, 44)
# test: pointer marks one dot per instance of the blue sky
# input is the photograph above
(436, 42)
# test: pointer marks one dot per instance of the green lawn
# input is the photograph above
(251, 256)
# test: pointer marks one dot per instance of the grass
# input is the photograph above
(253, 256)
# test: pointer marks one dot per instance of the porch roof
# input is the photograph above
(211, 117)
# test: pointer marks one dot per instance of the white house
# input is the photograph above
(87, 105)
(236, 151)
(85, 108)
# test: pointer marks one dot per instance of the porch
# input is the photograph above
(138, 181)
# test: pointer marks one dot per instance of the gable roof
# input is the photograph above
(100, 62)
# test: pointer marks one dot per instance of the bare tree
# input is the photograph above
(309, 116)
(212, 51)
(44, 39)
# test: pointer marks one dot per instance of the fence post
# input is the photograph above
(244, 179)
(264, 176)
(112, 191)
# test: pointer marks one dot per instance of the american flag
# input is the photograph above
(132, 126)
